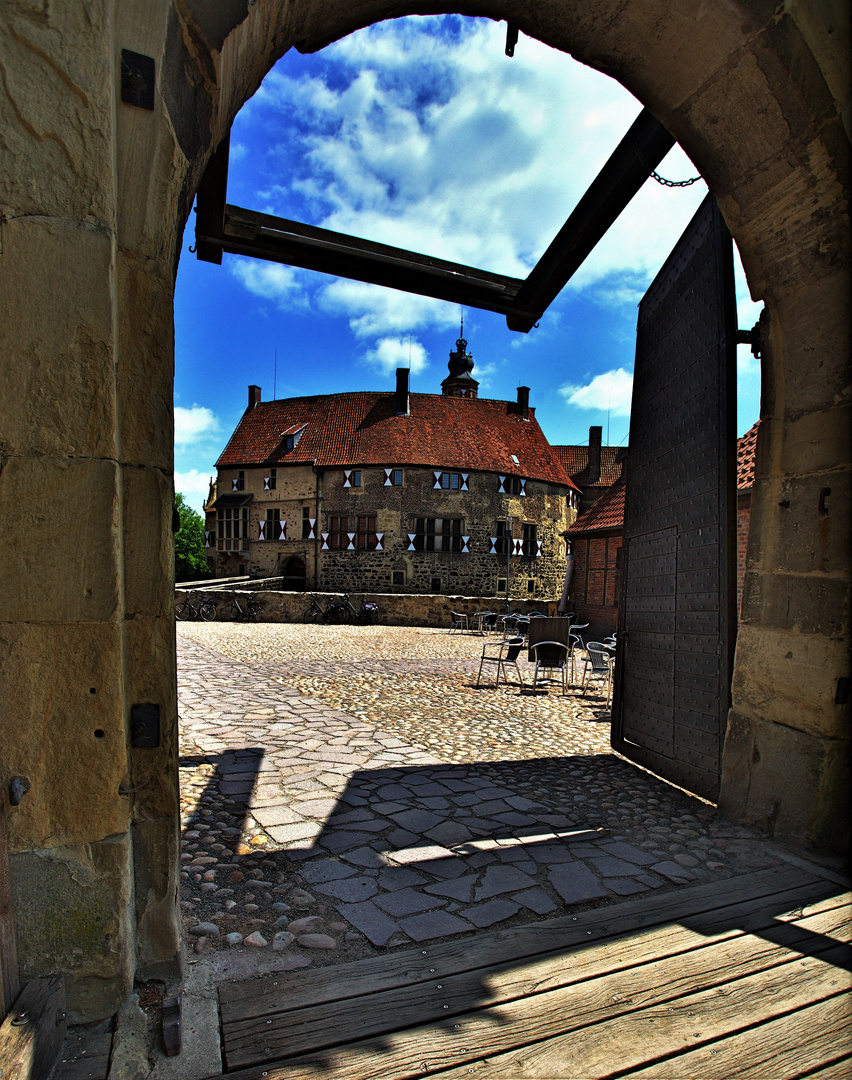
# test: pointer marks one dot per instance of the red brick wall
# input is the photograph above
(597, 580)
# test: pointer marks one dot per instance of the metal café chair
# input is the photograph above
(550, 656)
(599, 662)
(459, 621)
(500, 654)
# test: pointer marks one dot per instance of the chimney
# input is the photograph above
(593, 469)
(254, 396)
(524, 401)
(401, 396)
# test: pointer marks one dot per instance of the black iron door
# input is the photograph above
(678, 604)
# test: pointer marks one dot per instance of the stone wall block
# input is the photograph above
(775, 668)
(156, 851)
(815, 347)
(812, 523)
(150, 675)
(56, 93)
(148, 543)
(787, 783)
(64, 732)
(56, 338)
(817, 442)
(146, 367)
(59, 528)
(73, 910)
(805, 603)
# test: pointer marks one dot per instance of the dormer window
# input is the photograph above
(290, 437)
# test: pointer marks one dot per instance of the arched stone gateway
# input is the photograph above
(294, 574)
(95, 191)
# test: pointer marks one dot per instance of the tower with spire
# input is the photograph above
(460, 382)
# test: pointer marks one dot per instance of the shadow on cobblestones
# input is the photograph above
(332, 810)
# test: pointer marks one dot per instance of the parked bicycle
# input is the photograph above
(314, 612)
(250, 608)
(368, 613)
(186, 610)
(340, 610)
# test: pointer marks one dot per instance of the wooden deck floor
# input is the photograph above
(745, 978)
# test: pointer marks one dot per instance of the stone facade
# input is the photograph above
(307, 513)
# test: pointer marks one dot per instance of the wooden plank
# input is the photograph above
(32, 1034)
(713, 906)
(597, 1029)
(85, 1056)
(838, 1070)
(310, 1029)
(788, 1046)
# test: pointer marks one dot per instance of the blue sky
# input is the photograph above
(421, 133)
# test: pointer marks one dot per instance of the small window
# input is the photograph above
(435, 585)
(355, 480)
(365, 534)
(438, 534)
(504, 535)
(396, 477)
(272, 482)
(241, 569)
(530, 585)
(338, 533)
(513, 485)
(501, 584)
(530, 547)
(306, 523)
(451, 481)
(273, 520)
(398, 577)
(241, 481)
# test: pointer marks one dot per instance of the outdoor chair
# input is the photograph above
(459, 621)
(551, 656)
(599, 661)
(500, 654)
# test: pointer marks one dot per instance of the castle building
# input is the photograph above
(394, 492)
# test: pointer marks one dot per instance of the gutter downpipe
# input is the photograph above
(317, 473)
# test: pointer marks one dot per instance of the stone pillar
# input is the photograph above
(786, 766)
(85, 503)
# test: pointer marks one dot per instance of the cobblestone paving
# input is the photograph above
(348, 789)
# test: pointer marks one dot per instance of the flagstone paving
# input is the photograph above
(348, 789)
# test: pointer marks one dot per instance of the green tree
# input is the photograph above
(190, 560)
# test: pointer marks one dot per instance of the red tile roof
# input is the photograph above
(351, 429)
(746, 447)
(575, 460)
(606, 513)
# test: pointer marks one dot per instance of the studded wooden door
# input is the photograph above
(678, 604)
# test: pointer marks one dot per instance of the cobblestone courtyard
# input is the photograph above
(348, 789)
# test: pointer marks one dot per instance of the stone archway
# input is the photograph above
(96, 190)
(294, 574)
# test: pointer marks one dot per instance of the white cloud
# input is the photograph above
(374, 311)
(194, 485)
(420, 133)
(610, 391)
(271, 281)
(391, 353)
(434, 141)
(193, 425)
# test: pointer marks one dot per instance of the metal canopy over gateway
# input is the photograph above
(221, 227)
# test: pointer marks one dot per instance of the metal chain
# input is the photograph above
(673, 183)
